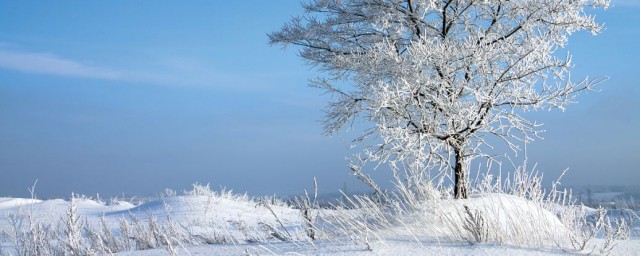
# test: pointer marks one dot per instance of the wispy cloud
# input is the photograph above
(50, 64)
(165, 71)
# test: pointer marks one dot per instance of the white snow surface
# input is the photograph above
(7, 203)
(229, 213)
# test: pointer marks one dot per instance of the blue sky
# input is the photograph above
(133, 97)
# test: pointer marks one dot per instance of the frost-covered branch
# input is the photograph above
(433, 77)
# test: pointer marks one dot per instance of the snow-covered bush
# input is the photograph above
(72, 238)
(29, 237)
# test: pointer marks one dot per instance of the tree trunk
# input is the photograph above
(460, 178)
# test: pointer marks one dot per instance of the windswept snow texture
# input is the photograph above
(237, 215)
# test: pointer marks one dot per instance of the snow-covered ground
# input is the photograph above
(210, 223)
(397, 248)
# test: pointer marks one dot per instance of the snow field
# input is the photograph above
(205, 222)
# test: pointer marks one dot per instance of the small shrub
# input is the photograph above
(476, 226)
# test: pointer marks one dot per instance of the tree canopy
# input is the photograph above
(435, 77)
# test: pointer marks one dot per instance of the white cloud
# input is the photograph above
(44, 63)
(172, 71)
(165, 71)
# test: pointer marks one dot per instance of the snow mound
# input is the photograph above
(8, 203)
(491, 217)
(121, 205)
(516, 218)
(211, 211)
(507, 208)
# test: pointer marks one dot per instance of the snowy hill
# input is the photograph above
(204, 222)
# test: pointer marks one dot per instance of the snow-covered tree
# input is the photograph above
(435, 77)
